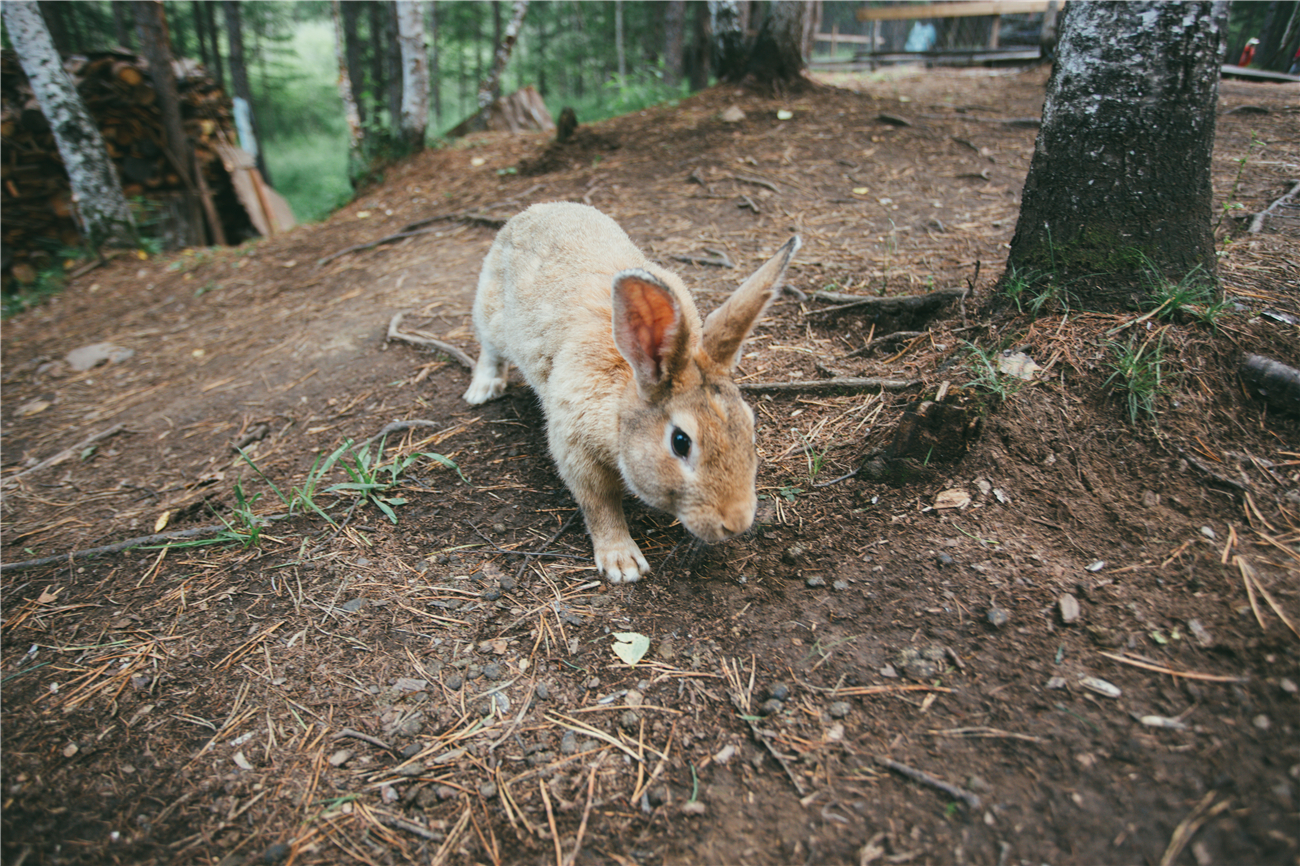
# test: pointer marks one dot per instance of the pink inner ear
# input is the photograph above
(648, 319)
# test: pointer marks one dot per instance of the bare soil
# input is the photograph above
(205, 704)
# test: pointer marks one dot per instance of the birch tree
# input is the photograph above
(356, 140)
(415, 73)
(1119, 185)
(491, 82)
(101, 208)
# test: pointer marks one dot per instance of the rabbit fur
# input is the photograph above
(636, 389)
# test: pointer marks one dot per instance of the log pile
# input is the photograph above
(36, 208)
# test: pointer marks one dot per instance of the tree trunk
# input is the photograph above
(96, 189)
(122, 24)
(777, 61)
(239, 78)
(415, 73)
(1119, 184)
(351, 11)
(674, 40)
(151, 30)
(435, 62)
(201, 33)
(392, 69)
(218, 69)
(376, 63)
(618, 40)
(697, 57)
(342, 50)
(727, 28)
(490, 84)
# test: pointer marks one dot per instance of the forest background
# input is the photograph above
(576, 54)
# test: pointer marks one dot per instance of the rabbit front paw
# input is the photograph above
(482, 390)
(621, 562)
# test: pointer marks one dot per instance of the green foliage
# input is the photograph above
(48, 283)
(1137, 373)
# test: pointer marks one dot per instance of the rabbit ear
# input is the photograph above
(727, 327)
(648, 328)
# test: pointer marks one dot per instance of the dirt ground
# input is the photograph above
(1091, 654)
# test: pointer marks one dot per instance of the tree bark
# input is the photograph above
(618, 40)
(435, 61)
(53, 15)
(104, 214)
(218, 69)
(201, 33)
(777, 61)
(342, 51)
(393, 69)
(376, 63)
(674, 40)
(507, 44)
(1119, 185)
(729, 53)
(239, 78)
(351, 11)
(415, 73)
(122, 24)
(151, 30)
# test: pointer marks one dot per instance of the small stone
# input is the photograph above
(410, 750)
(945, 559)
(352, 605)
(815, 581)
(1287, 685)
(792, 554)
(473, 672)
(455, 681)
(508, 583)
(568, 743)
(340, 757)
(445, 792)
(1100, 686)
(630, 719)
(70, 749)
(1150, 499)
(634, 698)
(499, 528)
(275, 853)
(542, 691)
(1207, 532)
(978, 785)
(95, 354)
(389, 794)
(840, 709)
(1095, 566)
(491, 594)
(492, 671)
(1056, 683)
(487, 790)
(998, 617)
(1200, 633)
(593, 683)
(1069, 607)
(1262, 722)
(888, 672)
(770, 707)
(780, 691)
(694, 807)
(657, 795)
(725, 754)
(840, 585)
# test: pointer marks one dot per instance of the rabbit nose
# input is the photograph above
(737, 522)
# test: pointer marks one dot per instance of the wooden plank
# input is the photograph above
(951, 10)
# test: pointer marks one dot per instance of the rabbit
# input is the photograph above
(636, 390)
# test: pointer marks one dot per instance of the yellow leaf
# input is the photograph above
(630, 646)
(161, 523)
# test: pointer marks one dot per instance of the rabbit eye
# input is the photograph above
(681, 442)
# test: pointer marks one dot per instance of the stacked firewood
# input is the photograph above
(36, 208)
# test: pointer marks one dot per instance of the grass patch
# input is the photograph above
(1138, 373)
(311, 171)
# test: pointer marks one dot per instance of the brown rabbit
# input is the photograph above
(637, 391)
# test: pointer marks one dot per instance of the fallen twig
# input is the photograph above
(842, 383)
(65, 454)
(889, 305)
(357, 735)
(1187, 828)
(1161, 669)
(478, 219)
(1257, 222)
(446, 348)
(971, 800)
(196, 532)
(721, 260)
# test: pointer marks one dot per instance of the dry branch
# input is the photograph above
(823, 386)
(1257, 223)
(892, 305)
(446, 348)
(971, 800)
